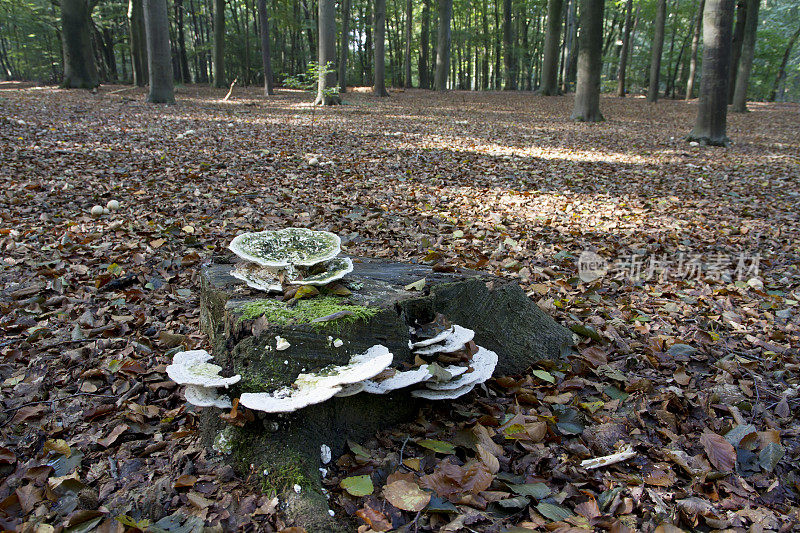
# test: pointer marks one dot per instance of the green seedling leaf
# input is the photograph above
(438, 446)
(357, 485)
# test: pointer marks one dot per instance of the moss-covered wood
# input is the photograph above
(243, 327)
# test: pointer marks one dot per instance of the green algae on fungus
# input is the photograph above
(304, 312)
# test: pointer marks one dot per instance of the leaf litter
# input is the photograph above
(695, 371)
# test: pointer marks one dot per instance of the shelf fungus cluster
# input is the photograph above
(448, 364)
(289, 256)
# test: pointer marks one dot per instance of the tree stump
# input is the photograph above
(284, 450)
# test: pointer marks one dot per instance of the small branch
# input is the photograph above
(606, 460)
(230, 90)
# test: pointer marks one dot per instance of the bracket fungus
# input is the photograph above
(289, 256)
(286, 247)
(454, 341)
(206, 397)
(192, 368)
(311, 388)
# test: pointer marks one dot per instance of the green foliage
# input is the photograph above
(307, 81)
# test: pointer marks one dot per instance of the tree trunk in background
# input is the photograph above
(424, 45)
(590, 62)
(159, 56)
(327, 53)
(736, 46)
(746, 59)
(698, 24)
(782, 70)
(658, 48)
(344, 47)
(443, 45)
(508, 47)
(379, 85)
(80, 69)
(368, 41)
(219, 43)
(570, 38)
(551, 45)
(623, 53)
(487, 47)
(409, 27)
(712, 111)
(266, 56)
(184, 58)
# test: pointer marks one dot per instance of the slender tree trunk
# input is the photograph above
(368, 42)
(736, 46)
(672, 79)
(424, 46)
(590, 62)
(327, 53)
(443, 45)
(569, 48)
(698, 25)
(487, 46)
(184, 58)
(623, 53)
(409, 27)
(80, 69)
(266, 56)
(746, 60)
(782, 70)
(669, 54)
(344, 48)
(159, 57)
(658, 48)
(712, 110)
(379, 85)
(551, 46)
(219, 43)
(508, 47)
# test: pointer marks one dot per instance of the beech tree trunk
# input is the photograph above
(183, 57)
(508, 47)
(623, 53)
(443, 45)
(138, 42)
(327, 53)
(551, 44)
(736, 46)
(746, 58)
(266, 55)
(712, 111)
(344, 46)
(379, 85)
(590, 62)
(424, 46)
(407, 55)
(698, 25)
(80, 69)
(219, 43)
(782, 70)
(159, 56)
(658, 48)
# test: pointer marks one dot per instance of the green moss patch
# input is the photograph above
(305, 311)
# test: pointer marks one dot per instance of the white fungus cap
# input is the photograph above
(351, 389)
(287, 399)
(287, 246)
(483, 363)
(399, 381)
(259, 278)
(206, 397)
(429, 394)
(454, 342)
(309, 389)
(191, 368)
(433, 340)
(362, 366)
(325, 454)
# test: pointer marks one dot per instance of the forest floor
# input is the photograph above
(688, 346)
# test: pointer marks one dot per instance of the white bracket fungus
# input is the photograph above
(257, 277)
(482, 365)
(334, 269)
(309, 388)
(453, 342)
(281, 344)
(433, 340)
(206, 397)
(286, 247)
(429, 394)
(191, 368)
